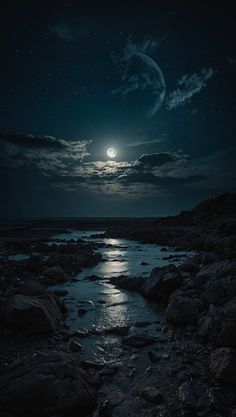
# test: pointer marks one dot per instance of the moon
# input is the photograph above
(143, 82)
(111, 152)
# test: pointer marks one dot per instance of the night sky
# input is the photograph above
(154, 80)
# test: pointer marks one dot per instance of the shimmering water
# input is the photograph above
(108, 307)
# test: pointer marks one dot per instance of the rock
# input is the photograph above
(210, 325)
(227, 336)
(161, 283)
(153, 356)
(34, 264)
(106, 409)
(138, 340)
(82, 311)
(75, 346)
(45, 384)
(143, 263)
(60, 293)
(53, 275)
(128, 283)
(215, 290)
(153, 395)
(223, 366)
(182, 310)
(33, 315)
(31, 288)
(186, 394)
(189, 266)
(230, 308)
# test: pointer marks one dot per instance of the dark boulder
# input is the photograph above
(46, 384)
(33, 315)
(182, 310)
(138, 340)
(128, 283)
(53, 275)
(161, 283)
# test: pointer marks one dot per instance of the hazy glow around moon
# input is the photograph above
(111, 152)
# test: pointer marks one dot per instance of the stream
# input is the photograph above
(107, 307)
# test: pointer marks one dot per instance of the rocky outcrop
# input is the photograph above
(161, 283)
(46, 384)
(33, 315)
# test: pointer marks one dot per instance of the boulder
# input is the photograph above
(215, 290)
(182, 310)
(46, 384)
(34, 264)
(161, 283)
(33, 315)
(128, 283)
(223, 366)
(152, 395)
(210, 325)
(31, 288)
(53, 275)
(138, 340)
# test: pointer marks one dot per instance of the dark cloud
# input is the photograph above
(33, 142)
(161, 158)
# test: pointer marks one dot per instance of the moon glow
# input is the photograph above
(111, 152)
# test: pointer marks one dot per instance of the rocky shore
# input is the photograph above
(181, 365)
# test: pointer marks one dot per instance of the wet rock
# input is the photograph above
(143, 263)
(153, 395)
(106, 409)
(60, 293)
(53, 275)
(75, 346)
(128, 283)
(182, 310)
(161, 283)
(33, 315)
(223, 366)
(46, 384)
(138, 340)
(82, 311)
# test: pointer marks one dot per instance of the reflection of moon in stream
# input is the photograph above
(144, 75)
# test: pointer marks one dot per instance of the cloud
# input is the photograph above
(46, 153)
(57, 163)
(144, 142)
(187, 87)
(63, 31)
(161, 158)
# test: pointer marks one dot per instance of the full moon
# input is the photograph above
(111, 152)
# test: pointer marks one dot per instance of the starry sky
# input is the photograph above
(155, 80)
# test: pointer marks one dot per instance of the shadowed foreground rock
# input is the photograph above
(34, 315)
(223, 365)
(44, 384)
